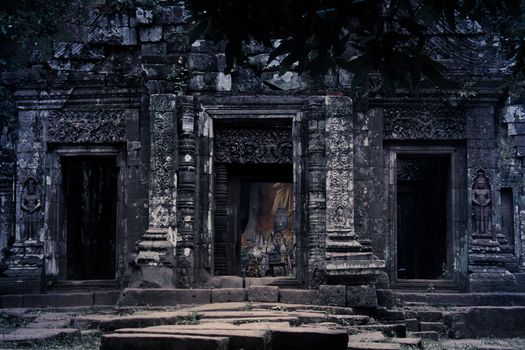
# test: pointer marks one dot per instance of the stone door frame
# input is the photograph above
(57, 225)
(257, 108)
(456, 215)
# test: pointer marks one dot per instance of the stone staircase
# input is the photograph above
(249, 326)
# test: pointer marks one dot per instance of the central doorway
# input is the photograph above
(257, 237)
(423, 182)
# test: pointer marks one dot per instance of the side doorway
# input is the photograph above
(426, 221)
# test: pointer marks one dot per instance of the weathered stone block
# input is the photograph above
(58, 300)
(144, 16)
(334, 295)
(429, 316)
(361, 296)
(11, 301)
(172, 14)
(228, 295)
(412, 324)
(153, 49)
(152, 34)
(298, 296)
(131, 297)
(431, 327)
(202, 62)
(106, 298)
(263, 293)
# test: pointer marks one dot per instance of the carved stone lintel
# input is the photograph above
(424, 123)
(82, 126)
(254, 145)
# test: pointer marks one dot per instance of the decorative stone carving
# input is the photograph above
(82, 126)
(30, 205)
(184, 274)
(317, 278)
(423, 123)
(482, 204)
(250, 145)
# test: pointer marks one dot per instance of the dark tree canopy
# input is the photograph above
(363, 36)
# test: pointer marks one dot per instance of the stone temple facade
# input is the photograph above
(139, 163)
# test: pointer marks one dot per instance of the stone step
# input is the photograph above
(145, 341)
(431, 326)
(410, 342)
(426, 335)
(349, 320)
(461, 299)
(238, 338)
(239, 321)
(372, 346)
(281, 338)
(30, 336)
(60, 300)
(367, 337)
(389, 330)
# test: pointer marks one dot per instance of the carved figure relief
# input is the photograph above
(318, 278)
(30, 205)
(184, 274)
(482, 203)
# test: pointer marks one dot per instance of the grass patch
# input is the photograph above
(85, 342)
(9, 323)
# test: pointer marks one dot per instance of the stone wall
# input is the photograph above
(134, 85)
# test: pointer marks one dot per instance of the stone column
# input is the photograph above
(486, 263)
(347, 261)
(186, 195)
(156, 258)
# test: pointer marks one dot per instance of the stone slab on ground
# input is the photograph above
(37, 335)
(238, 338)
(372, 346)
(50, 320)
(138, 341)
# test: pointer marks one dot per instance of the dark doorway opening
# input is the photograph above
(254, 223)
(90, 199)
(422, 224)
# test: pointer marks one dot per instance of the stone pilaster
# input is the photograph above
(348, 262)
(186, 195)
(486, 263)
(156, 258)
(316, 194)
